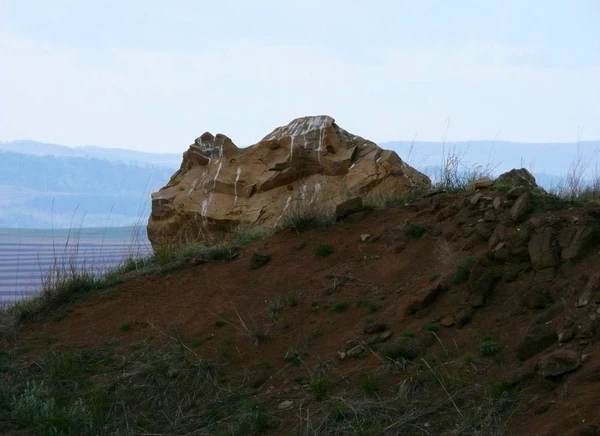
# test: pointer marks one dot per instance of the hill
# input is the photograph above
(451, 313)
(137, 158)
(50, 191)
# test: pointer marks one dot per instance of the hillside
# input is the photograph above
(138, 158)
(457, 313)
(50, 191)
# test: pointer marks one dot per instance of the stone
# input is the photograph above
(575, 241)
(496, 203)
(371, 329)
(348, 207)
(482, 183)
(489, 216)
(536, 340)
(517, 177)
(477, 300)
(310, 165)
(521, 208)
(382, 337)
(364, 237)
(475, 198)
(558, 362)
(590, 430)
(285, 405)
(537, 298)
(342, 355)
(299, 245)
(447, 321)
(357, 351)
(592, 288)
(424, 297)
(542, 248)
(260, 257)
(464, 316)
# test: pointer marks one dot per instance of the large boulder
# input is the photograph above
(310, 165)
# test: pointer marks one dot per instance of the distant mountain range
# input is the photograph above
(48, 185)
(168, 160)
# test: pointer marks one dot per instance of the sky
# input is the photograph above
(153, 75)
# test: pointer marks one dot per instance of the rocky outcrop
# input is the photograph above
(309, 164)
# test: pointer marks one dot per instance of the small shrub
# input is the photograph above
(408, 334)
(37, 409)
(220, 322)
(433, 327)
(196, 342)
(259, 337)
(340, 306)
(125, 326)
(369, 384)
(463, 270)
(324, 250)
(488, 348)
(320, 386)
(408, 348)
(503, 186)
(415, 230)
(292, 299)
(373, 307)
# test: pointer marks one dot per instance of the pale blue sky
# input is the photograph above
(152, 75)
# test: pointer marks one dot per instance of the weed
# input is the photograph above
(292, 299)
(463, 270)
(125, 326)
(373, 307)
(432, 327)
(307, 216)
(414, 231)
(220, 322)
(369, 383)
(503, 186)
(408, 334)
(320, 386)
(488, 348)
(324, 250)
(341, 306)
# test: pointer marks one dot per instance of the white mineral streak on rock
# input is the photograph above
(237, 178)
(192, 187)
(288, 200)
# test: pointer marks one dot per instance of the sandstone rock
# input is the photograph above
(558, 362)
(592, 288)
(464, 316)
(310, 165)
(374, 328)
(537, 298)
(543, 251)
(285, 405)
(535, 341)
(357, 351)
(475, 198)
(522, 207)
(575, 241)
(482, 183)
(497, 202)
(259, 258)
(424, 297)
(348, 207)
(447, 321)
(517, 177)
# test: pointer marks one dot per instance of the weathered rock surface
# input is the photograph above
(311, 163)
(559, 362)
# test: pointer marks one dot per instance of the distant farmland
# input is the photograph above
(27, 256)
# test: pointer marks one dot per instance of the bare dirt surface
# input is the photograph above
(523, 291)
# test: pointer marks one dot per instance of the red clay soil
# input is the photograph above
(391, 277)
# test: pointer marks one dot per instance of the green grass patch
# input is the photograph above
(324, 250)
